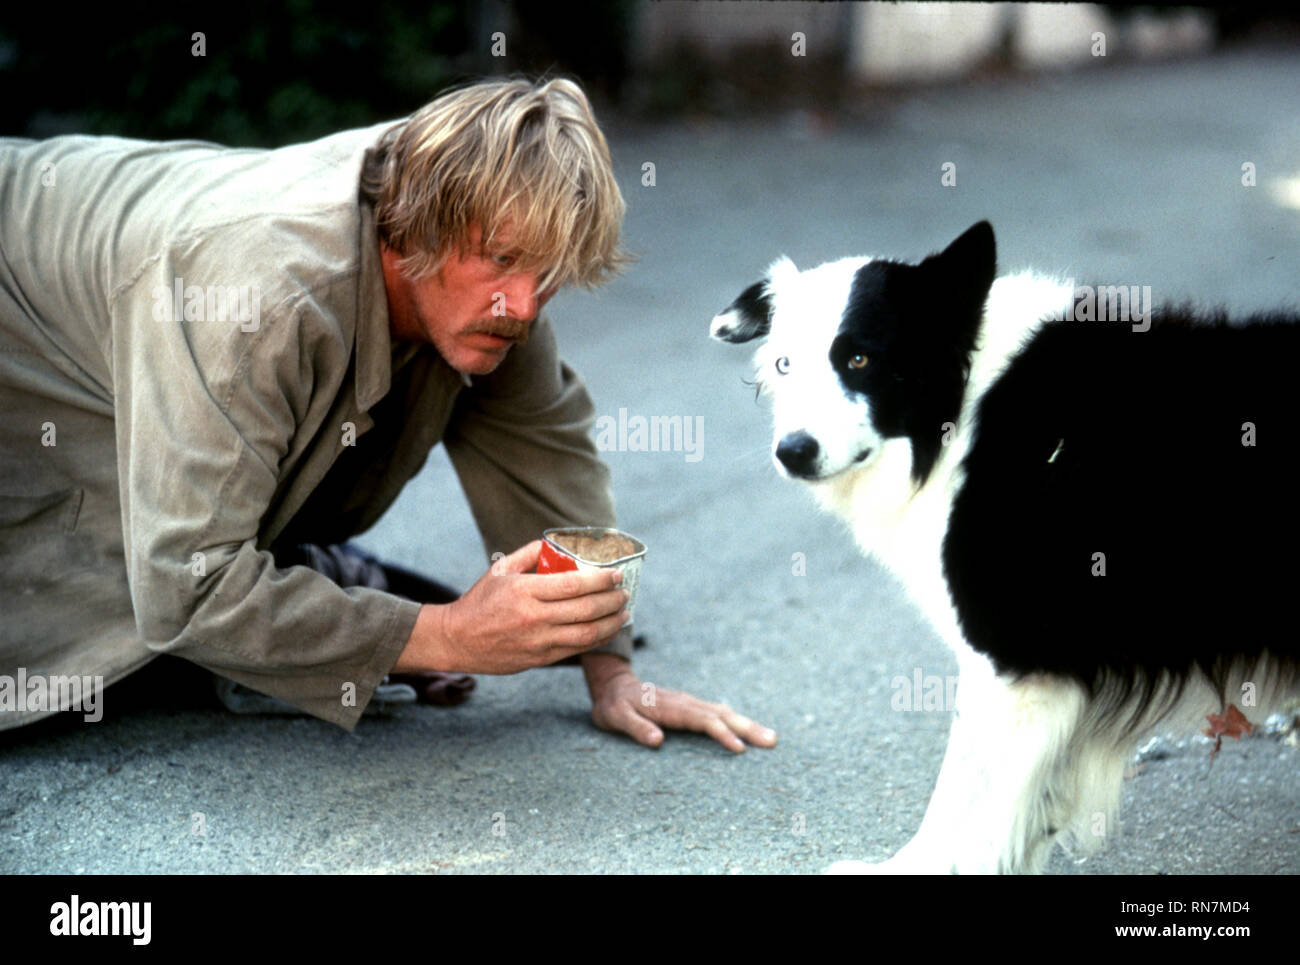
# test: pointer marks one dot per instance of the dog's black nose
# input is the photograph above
(797, 452)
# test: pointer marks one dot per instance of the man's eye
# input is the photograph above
(782, 365)
(503, 261)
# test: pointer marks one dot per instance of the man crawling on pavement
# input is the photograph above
(219, 365)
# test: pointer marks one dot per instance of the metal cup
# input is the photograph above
(555, 558)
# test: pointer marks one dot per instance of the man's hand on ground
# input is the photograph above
(513, 619)
(620, 702)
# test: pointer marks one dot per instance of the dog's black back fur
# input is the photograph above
(1198, 529)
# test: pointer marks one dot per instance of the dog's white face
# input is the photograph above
(822, 419)
(862, 351)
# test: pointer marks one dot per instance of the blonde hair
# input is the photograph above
(496, 152)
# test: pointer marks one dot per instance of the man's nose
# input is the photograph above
(523, 300)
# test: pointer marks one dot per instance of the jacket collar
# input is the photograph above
(374, 344)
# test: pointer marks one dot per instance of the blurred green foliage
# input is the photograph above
(270, 74)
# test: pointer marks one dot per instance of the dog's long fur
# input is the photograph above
(1097, 516)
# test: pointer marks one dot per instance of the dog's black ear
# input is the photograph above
(968, 266)
(748, 317)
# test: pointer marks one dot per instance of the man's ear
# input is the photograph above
(748, 317)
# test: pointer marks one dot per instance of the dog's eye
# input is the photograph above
(782, 365)
(858, 362)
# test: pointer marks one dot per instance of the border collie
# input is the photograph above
(1097, 514)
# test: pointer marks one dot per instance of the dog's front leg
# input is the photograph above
(996, 807)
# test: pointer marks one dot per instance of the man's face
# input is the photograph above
(473, 309)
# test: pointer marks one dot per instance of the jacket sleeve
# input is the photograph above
(206, 413)
(520, 441)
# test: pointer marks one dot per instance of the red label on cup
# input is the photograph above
(552, 561)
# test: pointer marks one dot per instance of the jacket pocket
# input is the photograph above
(41, 546)
(52, 513)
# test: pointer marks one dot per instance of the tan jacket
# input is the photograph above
(191, 338)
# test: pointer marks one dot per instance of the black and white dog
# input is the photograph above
(1097, 513)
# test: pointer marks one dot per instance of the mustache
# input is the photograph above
(511, 328)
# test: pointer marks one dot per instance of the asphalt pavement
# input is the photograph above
(749, 595)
